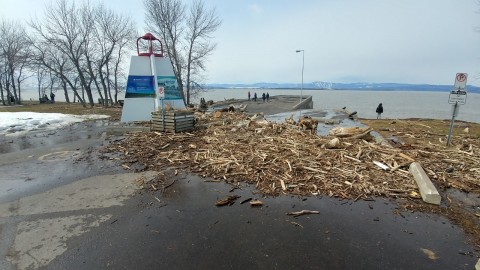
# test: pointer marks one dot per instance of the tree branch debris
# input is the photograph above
(280, 158)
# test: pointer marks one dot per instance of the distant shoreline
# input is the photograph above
(475, 91)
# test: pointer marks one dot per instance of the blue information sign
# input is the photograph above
(170, 86)
(140, 86)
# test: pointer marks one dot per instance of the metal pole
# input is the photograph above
(155, 83)
(303, 66)
(451, 123)
(163, 117)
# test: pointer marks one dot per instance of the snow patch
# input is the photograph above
(16, 123)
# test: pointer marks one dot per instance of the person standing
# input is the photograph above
(379, 111)
(255, 97)
(52, 97)
(248, 95)
(268, 96)
(263, 97)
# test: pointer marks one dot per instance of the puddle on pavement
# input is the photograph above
(471, 199)
(43, 138)
(58, 156)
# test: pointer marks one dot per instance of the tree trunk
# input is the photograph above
(65, 91)
(1, 93)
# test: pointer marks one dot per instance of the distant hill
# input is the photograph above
(344, 86)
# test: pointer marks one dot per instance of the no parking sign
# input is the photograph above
(458, 96)
(459, 93)
(161, 92)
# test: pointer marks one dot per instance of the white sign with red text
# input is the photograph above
(459, 93)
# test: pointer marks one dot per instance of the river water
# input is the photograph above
(396, 104)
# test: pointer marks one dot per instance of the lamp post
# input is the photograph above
(303, 65)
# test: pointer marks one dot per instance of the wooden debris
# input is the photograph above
(296, 224)
(283, 184)
(348, 131)
(246, 200)
(229, 200)
(308, 123)
(266, 154)
(256, 203)
(333, 143)
(430, 254)
(406, 157)
(381, 165)
(290, 120)
(169, 185)
(303, 212)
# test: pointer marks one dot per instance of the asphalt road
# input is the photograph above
(64, 207)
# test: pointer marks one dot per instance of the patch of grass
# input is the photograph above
(422, 131)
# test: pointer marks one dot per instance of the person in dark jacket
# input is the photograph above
(379, 111)
(255, 97)
(263, 97)
(268, 96)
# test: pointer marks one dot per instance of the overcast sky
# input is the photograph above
(407, 41)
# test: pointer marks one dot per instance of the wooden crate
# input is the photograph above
(175, 121)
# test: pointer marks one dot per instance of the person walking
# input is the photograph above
(248, 95)
(379, 111)
(255, 97)
(268, 96)
(263, 97)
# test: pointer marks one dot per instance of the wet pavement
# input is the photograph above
(50, 138)
(62, 206)
(183, 229)
(39, 160)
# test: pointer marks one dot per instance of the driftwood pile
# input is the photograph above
(305, 122)
(279, 158)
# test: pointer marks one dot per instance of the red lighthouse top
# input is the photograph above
(150, 38)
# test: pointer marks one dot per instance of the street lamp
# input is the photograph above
(303, 65)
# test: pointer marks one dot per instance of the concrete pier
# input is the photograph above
(276, 104)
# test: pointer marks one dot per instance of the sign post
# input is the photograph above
(161, 96)
(458, 96)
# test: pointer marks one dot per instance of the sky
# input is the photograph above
(16, 123)
(373, 41)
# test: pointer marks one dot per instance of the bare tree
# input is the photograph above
(187, 37)
(68, 28)
(15, 56)
(201, 24)
(59, 65)
(119, 77)
(41, 76)
(112, 32)
(79, 43)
